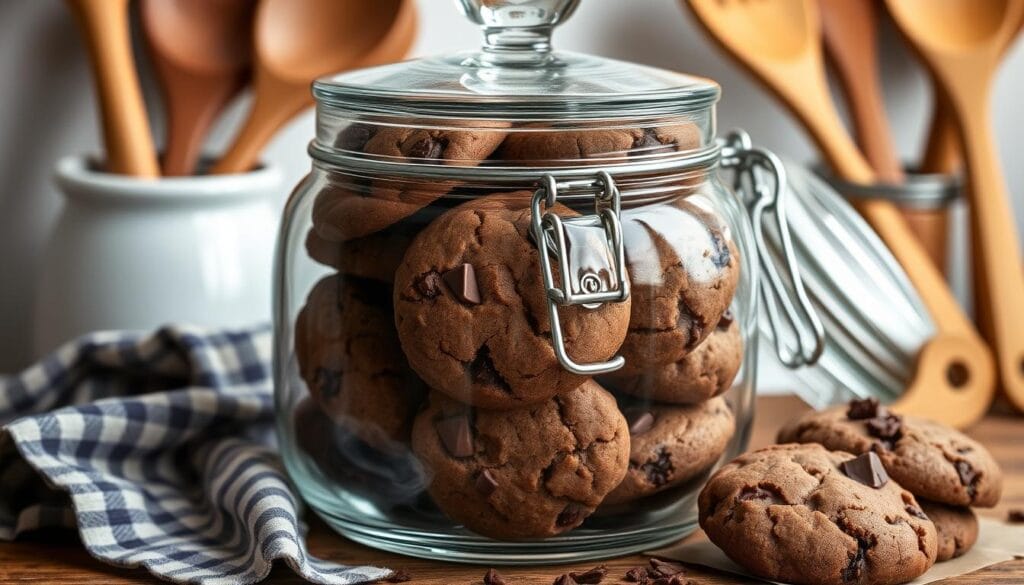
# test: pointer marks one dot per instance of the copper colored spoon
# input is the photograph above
(299, 40)
(201, 51)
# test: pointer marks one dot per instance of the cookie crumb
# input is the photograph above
(1015, 516)
(637, 575)
(660, 568)
(492, 577)
(398, 576)
(590, 576)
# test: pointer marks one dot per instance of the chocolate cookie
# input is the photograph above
(789, 513)
(472, 314)
(683, 270)
(551, 148)
(670, 445)
(933, 461)
(350, 358)
(347, 207)
(704, 373)
(957, 527)
(527, 473)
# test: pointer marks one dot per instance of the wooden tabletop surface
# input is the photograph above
(47, 559)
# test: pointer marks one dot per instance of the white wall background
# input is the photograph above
(47, 110)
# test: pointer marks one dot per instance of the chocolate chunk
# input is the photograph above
(968, 477)
(428, 147)
(590, 576)
(429, 285)
(462, 282)
(570, 516)
(456, 435)
(660, 568)
(855, 568)
(1015, 516)
(915, 511)
(754, 493)
(483, 372)
(640, 421)
(492, 577)
(867, 469)
(648, 143)
(726, 320)
(485, 483)
(398, 576)
(888, 427)
(658, 470)
(637, 575)
(863, 409)
(564, 580)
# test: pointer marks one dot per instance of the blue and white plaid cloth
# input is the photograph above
(159, 449)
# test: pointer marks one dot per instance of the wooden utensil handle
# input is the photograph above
(931, 226)
(272, 107)
(126, 132)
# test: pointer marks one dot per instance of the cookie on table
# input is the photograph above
(683, 271)
(790, 513)
(348, 208)
(957, 528)
(351, 361)
(472, 314)
(706, 372)
(526, 473)
(670, 445)
(548, 148)
(933, 461)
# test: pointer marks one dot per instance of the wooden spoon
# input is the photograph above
(851, 47)
(962, 43)
(299, 40)
(126, 133)
(954, 380)
(201, 51)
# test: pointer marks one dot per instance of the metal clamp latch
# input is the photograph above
(807, 331)
(590, 254)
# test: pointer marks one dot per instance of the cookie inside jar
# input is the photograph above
(515, 306)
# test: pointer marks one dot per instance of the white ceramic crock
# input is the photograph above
(134, 254)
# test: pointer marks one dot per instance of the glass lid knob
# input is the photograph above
(517, 32)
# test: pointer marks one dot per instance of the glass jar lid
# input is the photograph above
(517, 75)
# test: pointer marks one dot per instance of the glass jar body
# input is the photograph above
(422, 407)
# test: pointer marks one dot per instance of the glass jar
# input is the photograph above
(516, 307)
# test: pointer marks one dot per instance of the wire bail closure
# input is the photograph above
(590, 255)
(763, 199)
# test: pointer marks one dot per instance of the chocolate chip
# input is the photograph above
(915, 511)
(862, 409)
(754, 493)
(725, 321)
(570, 516)
(327, 382)
(640, 421)
(353, 138)
(648, 143)
(492, 577)
(855, 568)
(483, 372)
(456, 435)
(428, 147)
(637, 575)
(462, 282)
(398, 576)
(968, 477)
(660, 568)
(887, 427)
(866, 469)
(564, 580)
(660, 469)
(590, 576)
(1015, 516)
(429, 285)
(485, 483)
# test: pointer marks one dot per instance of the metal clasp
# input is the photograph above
(590, 254)
(764, 199)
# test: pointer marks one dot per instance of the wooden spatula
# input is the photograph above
(962, 42)
(126, 133)
(954, 379)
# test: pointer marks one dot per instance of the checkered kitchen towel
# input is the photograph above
(159, 449)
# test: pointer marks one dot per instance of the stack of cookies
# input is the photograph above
(856, 494)
(433, 338)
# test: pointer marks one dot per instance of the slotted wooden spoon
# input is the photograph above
(954, 381)
(962, 42)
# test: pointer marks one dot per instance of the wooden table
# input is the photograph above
(62, 560)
